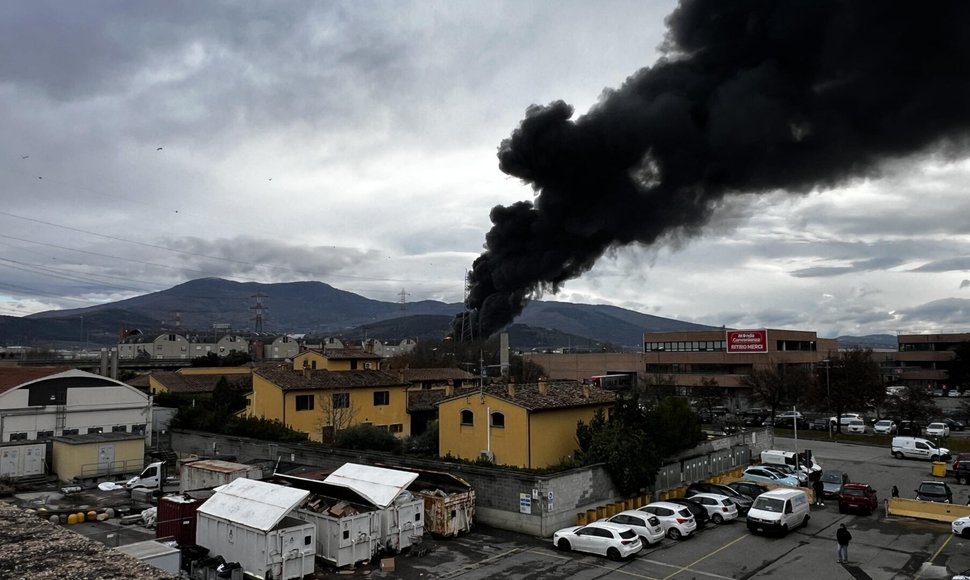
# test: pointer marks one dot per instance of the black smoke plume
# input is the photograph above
(749, 96)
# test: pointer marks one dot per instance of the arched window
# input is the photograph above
(467, 417)
(498, 419)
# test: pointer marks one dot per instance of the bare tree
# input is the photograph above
(336, 413)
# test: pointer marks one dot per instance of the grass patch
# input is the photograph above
(954, 444)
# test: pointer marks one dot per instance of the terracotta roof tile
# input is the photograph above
(345, 353)
(178, 383)
(559, 395)
(290, 380)
(11, 377)
(436, 374)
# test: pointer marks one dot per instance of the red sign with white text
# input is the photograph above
(747, 341)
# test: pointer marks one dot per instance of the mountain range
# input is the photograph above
(318, 309)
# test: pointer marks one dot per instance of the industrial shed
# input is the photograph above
(97, 455)
(251, 522)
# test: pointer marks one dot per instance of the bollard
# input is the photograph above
(590, 515)
(581, 519)
(600, 512)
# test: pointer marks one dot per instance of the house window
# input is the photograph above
(382, 398)
(368, 366)
(397, 428)
(69, 432)
(140, 429)
(95, 430)
(304, 402)
(119, 429)
(45, 434)
(341, 400)
(18, 436)
(353, 365)
(467, 417)
(313, 364)
(498, 419)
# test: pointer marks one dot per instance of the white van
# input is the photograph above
(918, 448)
(778, 457)
(778, 510)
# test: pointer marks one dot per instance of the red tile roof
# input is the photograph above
(11, 377)
(178, 383)
(344, 353)
(290, 380)
(559, 395)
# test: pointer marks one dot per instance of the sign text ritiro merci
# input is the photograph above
(746, 340)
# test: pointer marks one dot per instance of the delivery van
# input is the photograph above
(778, 511)
(778, 457)
(918, 448)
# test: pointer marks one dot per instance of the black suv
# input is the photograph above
(748, 488)
(744, 502)
(909, 428)
(961, 468)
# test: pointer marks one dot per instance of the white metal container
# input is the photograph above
(157, 553)
(22, 460)
(402, 522)
(347, 540)
(250, 522)
(210, 473)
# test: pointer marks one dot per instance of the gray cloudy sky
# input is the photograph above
(146, 144)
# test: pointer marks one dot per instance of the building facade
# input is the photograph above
(525, 425)
(923, 360)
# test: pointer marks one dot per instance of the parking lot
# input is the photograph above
(881, 547)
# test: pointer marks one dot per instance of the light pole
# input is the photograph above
(828, 392)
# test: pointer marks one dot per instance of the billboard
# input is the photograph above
(746, 341)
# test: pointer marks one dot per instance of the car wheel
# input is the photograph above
(934, 457)
(897, 454)
(564, 545)
(673, 534)
(717, 519)
(784, 530)
(805, 522)
(965, 533)
(613, 554)
(644, 541)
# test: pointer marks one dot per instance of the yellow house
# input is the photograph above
(526, 425)
(320, 402)
(337, 359)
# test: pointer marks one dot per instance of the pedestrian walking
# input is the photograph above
(895, 491)
(842, 537)
(819, 489)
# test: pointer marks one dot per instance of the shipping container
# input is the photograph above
(251, 522)
(210, 473)
(22, 459)
(177, 518)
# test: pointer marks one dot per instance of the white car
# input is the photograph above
(885, 426)
(961, 526)
(856, 426)
(846, 417)
(614, 541)
(720, 507)
(647, 526)
(677, 521)
(788, 472)
(938, 430)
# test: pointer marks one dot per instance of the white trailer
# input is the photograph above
(252, 523)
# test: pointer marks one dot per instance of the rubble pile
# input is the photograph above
(44, 551)
(328, 506)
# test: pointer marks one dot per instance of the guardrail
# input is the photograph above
(925, 510)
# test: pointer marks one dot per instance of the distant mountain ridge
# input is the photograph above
(320, 309)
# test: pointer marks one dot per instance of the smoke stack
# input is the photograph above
(748, 97)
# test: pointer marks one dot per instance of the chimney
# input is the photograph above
(511, 388)
(450, 390)
(585, 390)
(543, 387)
(307, 372)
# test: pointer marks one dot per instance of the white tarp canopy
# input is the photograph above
(378, 485)
(255, 504)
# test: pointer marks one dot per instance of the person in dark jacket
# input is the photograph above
(895, 491)
(819, 489)
(842, 537)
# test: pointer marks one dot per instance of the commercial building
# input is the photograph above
(923, 360)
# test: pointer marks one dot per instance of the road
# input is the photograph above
(882, 547)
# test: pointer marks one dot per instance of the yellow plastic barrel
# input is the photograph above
(938, 469)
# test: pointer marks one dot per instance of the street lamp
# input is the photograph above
(828, 392)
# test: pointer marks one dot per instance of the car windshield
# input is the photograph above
(627, 534)
(727, 501)
(831, 477)
(769, 504)
(884, 423)
(931, 488)
(935, 426)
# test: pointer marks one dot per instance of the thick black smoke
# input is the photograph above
(750, 96)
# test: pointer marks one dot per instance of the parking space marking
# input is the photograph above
(688, 568)
(937, 553)
(619, 570)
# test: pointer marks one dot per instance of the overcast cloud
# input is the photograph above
(353, 143)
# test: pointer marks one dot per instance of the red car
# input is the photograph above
(857, 496)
